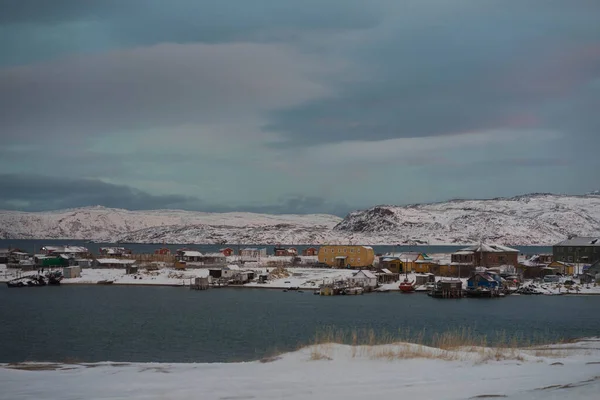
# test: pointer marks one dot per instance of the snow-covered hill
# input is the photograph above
(174, 226)
(523, 220)
(536, 219)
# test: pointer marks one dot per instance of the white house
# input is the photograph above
(252, 254)
(364, 278)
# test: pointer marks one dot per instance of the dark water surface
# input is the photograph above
(166, 324)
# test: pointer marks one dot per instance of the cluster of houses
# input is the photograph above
(574, 256)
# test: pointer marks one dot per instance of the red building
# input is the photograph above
(310, 251)
(227, 252)
(163, 251)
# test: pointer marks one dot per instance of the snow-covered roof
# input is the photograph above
(233, 267)
(191, 253)
(386, 271)
(368, 274)
(115, 261)
(580, 241)
(488, 248)
(341, 257)
(219, 255)
(65, 249)
(367, 247)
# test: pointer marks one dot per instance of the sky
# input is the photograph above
(296, 106)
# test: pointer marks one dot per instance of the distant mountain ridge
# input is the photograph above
(533, 219)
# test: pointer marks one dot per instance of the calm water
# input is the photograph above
(35, 246)
(165, 324)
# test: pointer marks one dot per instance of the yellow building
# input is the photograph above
(563, 267)
(416, 262)
(340, 256)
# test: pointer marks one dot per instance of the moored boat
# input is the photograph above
(406, 286)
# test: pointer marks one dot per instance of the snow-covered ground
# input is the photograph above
(570, 371)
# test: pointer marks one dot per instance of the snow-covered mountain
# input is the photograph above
(536, 219)
(523, 220)
(174, 226)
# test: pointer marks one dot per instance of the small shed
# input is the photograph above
(384, 275)
(215, 272)
(71, 272)
(131, 269)
(364, 278)
(263, 278)
(482, 280)
(424, 279)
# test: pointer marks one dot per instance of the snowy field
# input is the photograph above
(568, 371)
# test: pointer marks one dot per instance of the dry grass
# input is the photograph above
(450, 345)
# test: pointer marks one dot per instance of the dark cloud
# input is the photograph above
(470, 67)
(31, 30)
(42, 193)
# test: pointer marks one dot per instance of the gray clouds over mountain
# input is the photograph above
(345, 102)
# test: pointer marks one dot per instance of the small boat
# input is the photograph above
(406, 286)
(104, 282)
(27, 281)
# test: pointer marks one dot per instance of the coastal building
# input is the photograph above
(71, 251)
(227, 252)
(486, 255)
(310, 251)
(112, 263)
(364, 278)
(410, 261)
(115, 251)
(163, 251)
(341, 256)
(585, 250)
(189, 255)
(279, 251)
(252, 254)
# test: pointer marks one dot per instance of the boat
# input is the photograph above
(27, 281)
(406, 286)
(104, 282)
(54, 278)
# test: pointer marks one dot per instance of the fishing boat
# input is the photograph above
(27, 281)
(406, 286)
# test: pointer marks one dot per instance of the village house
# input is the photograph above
(279, 251)
(384, 275)
(252, 254)
(539, 266)
(4, 254)
(112, 263)
(227, 252)
(310, 251)
(342, 256)
(585, 250)
(484, 255)
(163, 251)
(71, 251)
(409, 261)
(115, 251)
(482, 280)
(364, 279)
(189, 255)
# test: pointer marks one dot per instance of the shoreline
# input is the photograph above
(312, 289)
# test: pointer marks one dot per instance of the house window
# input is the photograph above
(570, 249)
(570, 258)
(339, 250)
(358, 250)
(351, 250)
(358, 259)
(352, 260)
(345, 250)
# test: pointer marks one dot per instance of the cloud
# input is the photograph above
(152, 87)
(41, 193)
(59, 27)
